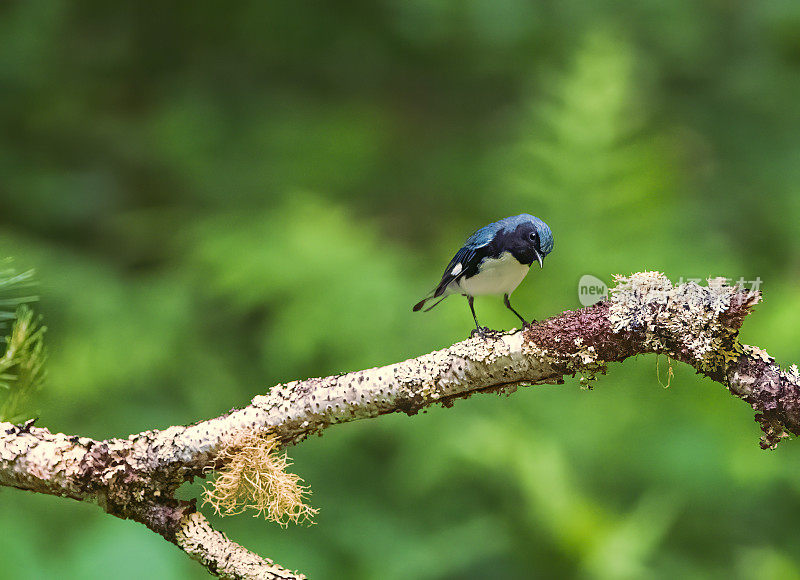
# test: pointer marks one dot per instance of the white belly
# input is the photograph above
(498, 276)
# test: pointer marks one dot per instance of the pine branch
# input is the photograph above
(136, 477)
(22, 363)
(14, 287)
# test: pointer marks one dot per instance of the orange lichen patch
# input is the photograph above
(254, 477)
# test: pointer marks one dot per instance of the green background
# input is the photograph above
(221, 197)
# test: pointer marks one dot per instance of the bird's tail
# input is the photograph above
(418, 306)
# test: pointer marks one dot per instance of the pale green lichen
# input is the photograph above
(585, 361)
(682, 319)
(486, 350)
(758, 353)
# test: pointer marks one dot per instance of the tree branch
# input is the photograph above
(136, 478)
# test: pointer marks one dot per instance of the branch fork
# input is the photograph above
(136, 477)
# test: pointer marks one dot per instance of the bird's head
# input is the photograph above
(528, 238)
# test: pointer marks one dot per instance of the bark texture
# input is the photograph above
(136, 477)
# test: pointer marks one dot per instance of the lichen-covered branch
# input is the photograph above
(222, 557)
(34, 459)
(136, 477)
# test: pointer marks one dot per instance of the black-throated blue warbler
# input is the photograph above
(494, 260)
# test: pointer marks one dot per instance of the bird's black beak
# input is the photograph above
(539, 258)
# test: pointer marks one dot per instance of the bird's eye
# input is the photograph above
(532, 236)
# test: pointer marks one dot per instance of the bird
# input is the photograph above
(494, 260)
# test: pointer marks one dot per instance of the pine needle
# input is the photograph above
(22, 365)
(12, 285)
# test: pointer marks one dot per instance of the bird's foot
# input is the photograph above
(484, 332)
(527, 325)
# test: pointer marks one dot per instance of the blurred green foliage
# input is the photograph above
(218, 198)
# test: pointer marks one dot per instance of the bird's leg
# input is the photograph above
(479, 330)
(511, 308)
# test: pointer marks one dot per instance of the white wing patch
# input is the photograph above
(456, 270)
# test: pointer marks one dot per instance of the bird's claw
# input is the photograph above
(484, 332)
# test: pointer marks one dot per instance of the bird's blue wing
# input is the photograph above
(469, 256)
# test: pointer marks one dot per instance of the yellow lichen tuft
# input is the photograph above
(254, 477)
